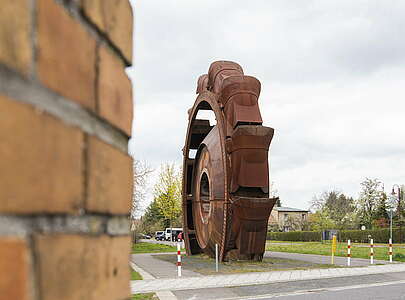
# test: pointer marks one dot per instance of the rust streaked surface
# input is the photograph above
(226, 182)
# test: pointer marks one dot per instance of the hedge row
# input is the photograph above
(361, 236)
(378, 235)
(302, 236)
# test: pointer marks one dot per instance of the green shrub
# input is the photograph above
(356, 236)
(302, 236)
(378, 235)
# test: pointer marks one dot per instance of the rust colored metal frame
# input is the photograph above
(226, 184)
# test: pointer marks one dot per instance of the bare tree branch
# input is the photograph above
(141, 171)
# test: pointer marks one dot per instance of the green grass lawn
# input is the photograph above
(148, 296)
(135, 275)
(151, 248)
(341, 249)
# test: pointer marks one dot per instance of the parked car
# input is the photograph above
(171, 234)
(145, 236)
(160, 235)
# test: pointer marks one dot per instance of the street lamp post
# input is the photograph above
(391, 212)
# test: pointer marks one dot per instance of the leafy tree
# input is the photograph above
(381, 211)
(320, 221)
(400, 208)
(167, 192)
(153, 215)
(293, 222)
(381, 223)
(339, 208)
(399, 218)
(336, 207)
(296, 222)
(370, 197)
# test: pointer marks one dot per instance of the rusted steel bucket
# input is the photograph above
(226, 184)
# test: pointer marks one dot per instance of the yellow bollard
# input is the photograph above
(333, 249)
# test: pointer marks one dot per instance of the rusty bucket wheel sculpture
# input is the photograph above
(226, 185)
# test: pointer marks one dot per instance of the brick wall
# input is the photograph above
(65, 176)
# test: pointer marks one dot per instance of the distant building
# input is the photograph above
(287, 219)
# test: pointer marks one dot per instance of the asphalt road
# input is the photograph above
(381, 286)
(394, 290)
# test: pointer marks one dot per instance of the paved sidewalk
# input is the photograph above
(162, 295)
(159, 268)
(323, 259)
(183, 283)
(162, 269)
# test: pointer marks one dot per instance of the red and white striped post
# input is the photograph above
(371, 251)
(178, 260)
(390, 250)
(348, 253)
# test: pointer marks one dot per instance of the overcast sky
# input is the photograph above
(333, 84)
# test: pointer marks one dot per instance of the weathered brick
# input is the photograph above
(14, 269)
(66, 56)
(115, 91)
(83, 267)
(114, 18)
(41, 161)
(15, 28)
(109, 179)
